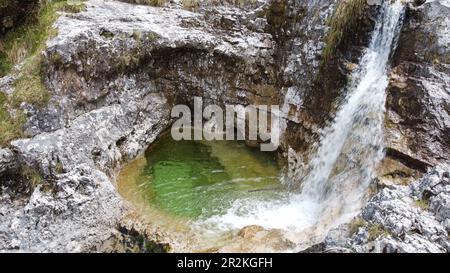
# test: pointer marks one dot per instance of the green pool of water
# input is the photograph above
(193, 179)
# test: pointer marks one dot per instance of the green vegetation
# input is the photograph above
(10, 125)
(191, 4)
(154, 3)
(29, 39)
(33, 176)
(73, 7)
(107, 34)
(344, 20)
(375, 231)
(422, 204)
(29, 87)
(59, 168)
(3, 3)
(356, 224)
(24, 45)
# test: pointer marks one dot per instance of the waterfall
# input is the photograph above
(350, 147)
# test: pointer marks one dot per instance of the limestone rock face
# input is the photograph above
(78, 217)
(310, 85)
(410, 218)
(113, 48)
(418, 117)
(7, 161)
(115, 71)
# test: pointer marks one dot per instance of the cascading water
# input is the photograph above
(340, 172)
(351, 146)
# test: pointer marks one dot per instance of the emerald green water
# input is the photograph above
(199, 179)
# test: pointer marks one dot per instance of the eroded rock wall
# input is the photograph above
(115, 70)
(418, 113)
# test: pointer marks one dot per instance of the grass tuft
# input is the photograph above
(356, 224)
(422, 204)
(154, 3)
(24, 44)
(4, 3)
(29, 87)
(33, 176)
(29, 39)
(74, 7)
(191, 4)
(10, 125)
(344, 20)
(375, 231)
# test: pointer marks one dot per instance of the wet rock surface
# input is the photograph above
(134, 235)
(257, 239)
(417, 119)
(404, 219)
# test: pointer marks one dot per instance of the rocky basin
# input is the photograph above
(115, 70)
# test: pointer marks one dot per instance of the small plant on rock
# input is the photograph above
(375, 231)
(422, 204)
(356, 224)
(154, 3)
(191, 4)
(32, 176)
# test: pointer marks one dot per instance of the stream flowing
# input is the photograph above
(339, 174)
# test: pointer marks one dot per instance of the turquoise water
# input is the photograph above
(199, 179)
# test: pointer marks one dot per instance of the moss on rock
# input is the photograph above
(345, 19)
(24, 45)
(155, 3)
(10, 125)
